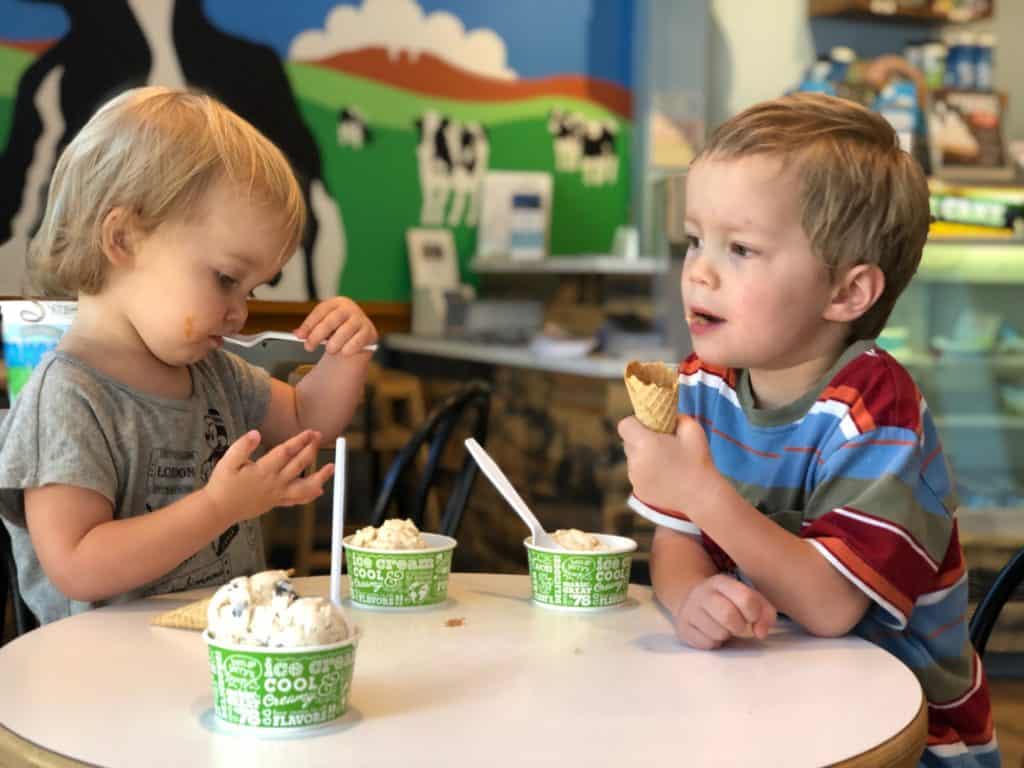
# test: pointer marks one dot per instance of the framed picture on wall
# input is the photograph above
(967, 137)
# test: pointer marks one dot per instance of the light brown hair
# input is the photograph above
(154, 151)
(863, 200)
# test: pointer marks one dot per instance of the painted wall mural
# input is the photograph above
(391, 112)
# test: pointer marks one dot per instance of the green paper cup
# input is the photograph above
(279, 691)
(406, 578)
(564, 578)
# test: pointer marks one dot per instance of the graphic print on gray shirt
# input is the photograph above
(73, 425)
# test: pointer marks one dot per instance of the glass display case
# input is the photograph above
(959, 329)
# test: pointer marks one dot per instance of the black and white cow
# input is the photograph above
(165, 42)
(565, 129)
(600, 162)
(452, 158)
(352, 129)
(583, 145)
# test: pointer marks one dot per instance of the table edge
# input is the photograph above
(902, 750)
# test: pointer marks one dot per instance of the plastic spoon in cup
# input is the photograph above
(252, 339)
(540, 537)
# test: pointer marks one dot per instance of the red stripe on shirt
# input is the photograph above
(868, 575)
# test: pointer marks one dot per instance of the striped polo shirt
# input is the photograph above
(857, 469)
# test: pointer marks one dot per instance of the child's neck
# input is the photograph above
(106, 341)
(775, 387)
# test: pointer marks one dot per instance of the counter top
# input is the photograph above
(517, 355)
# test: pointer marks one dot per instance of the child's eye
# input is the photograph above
(741, 250)
(227, 282)
(692, 242)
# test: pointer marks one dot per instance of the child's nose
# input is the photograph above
(697, 268)
(238, 312)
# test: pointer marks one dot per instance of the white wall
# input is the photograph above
(757, 51)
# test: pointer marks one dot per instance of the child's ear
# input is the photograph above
(855, 293)
(116, 236)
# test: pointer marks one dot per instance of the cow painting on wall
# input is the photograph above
(125, 43)
(391, 111)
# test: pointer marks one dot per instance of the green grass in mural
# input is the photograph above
(13, 63)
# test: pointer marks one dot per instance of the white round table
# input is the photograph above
(487, 679)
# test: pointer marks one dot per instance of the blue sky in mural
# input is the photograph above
(538, 45)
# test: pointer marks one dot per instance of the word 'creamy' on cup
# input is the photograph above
(581, 579)
(400, 578)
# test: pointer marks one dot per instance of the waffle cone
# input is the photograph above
(191, 616)
(653, 391)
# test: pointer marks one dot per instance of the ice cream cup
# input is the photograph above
(279, 691)
(581, 580)
(403, 578)
(30, 330)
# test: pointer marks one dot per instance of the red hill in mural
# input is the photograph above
(432, 76)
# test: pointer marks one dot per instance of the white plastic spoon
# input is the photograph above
(498, 479)
(252, 339)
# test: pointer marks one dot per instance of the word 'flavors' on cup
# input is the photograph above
(30, 329)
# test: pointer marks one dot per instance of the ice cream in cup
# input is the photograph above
(279, 663)
(396, 566)
(583, 571)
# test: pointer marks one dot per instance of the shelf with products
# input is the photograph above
(901, 10)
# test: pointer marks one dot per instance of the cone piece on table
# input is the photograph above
(654, 392)
(191, 616)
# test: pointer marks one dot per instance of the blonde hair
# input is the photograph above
(154, 151)
(863, 200)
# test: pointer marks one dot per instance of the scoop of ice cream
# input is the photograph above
(393, 534)
(264, 610)
(574, 538)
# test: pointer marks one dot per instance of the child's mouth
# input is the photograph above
(702, 318)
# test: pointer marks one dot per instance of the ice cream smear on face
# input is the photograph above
(393, 534)
(264, 610)
(575, 539)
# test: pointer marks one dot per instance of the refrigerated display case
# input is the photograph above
(959, 329)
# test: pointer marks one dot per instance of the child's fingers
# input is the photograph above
(303, 489)
(727, 615)
(238, 453)
(320, 311)
(366, 334)
(752, 605)
(276, 459)
(300, 461)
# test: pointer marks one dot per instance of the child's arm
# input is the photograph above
(786, 569)
(327, 397)
(89, 556)
(707, 608)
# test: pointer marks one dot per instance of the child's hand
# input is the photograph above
(243, 489)
(662, 468)
(341, 323)
(721, 608)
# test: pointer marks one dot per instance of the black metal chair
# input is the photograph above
(1003, 586)
(473, 401)
(23, 618)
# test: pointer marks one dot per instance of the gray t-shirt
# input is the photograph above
(73, 425)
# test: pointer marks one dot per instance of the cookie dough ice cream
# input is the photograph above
(577, 540)
(264, 610)
(393, 535)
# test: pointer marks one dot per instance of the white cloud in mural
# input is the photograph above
(401, 25)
